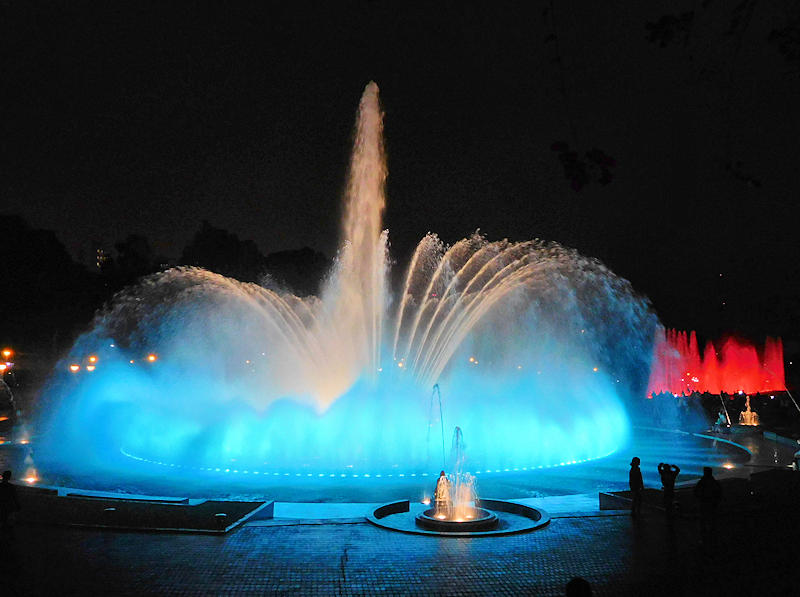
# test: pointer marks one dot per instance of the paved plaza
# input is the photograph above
(750, 555)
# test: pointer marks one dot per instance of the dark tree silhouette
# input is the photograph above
(302, 271)
(222, 252)
(595, 165)
(45, 297)
(670, 28)
(692, 32)
(787, 39)
(135, 257)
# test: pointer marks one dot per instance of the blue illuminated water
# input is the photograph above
(537, 351)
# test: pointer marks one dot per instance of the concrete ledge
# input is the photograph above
(609, 501)
(770, 435)
(391, 508)
(46, 507)
(146, 500)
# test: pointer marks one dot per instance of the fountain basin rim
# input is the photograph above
(513, 518)
(482, 521)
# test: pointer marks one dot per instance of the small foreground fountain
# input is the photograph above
(456, 506)
(457, 511)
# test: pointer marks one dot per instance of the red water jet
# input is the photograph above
(731, 365)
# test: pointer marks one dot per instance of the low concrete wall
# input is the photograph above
(781, 439)
(609, 501)
(392, 508)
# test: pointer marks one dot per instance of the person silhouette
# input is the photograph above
(668, 472)
(708, 492)
(9, 502)
(578, 587)
(637, 486)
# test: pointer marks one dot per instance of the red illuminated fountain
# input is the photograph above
(730, 366)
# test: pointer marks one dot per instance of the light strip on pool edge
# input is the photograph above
(358, 475)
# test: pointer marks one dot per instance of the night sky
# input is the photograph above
(138, 117)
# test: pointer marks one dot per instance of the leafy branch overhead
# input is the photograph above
(594, 166)
(788, 41)
(713, 31)
(670, 28)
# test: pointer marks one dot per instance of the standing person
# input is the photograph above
(637, 486)
(8, 501)
(709, 492)
(668, 472)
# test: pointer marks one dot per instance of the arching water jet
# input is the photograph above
(537, 346)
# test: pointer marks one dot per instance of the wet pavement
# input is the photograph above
(750, 555)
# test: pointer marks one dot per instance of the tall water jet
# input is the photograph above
(535, 346)
(356, 298)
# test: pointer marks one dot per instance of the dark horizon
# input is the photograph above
(147, 119)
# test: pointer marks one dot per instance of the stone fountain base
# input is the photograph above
(497, 517)
(476, 519)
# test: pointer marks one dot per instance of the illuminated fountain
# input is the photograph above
(457, 506)
(732, 365)
(749, 417)
(538, 349)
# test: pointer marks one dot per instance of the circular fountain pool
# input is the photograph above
(470, 520)
(690, 452)
(494, 517)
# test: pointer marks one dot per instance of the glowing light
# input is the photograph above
(427, 501)
(3, 367)
(471, 359)
(74, 368)
(131, 361)
(440, 516)
(24, 441)
(727, 366)
(90, 367)
(31, 480)
(92, 359)
(595, 369)
(323, 353)
(3, 418)
(728, 465)
(152, 358)
(7, 352)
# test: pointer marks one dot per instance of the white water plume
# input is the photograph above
(521, 336)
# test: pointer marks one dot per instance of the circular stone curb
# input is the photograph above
(513, 518)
